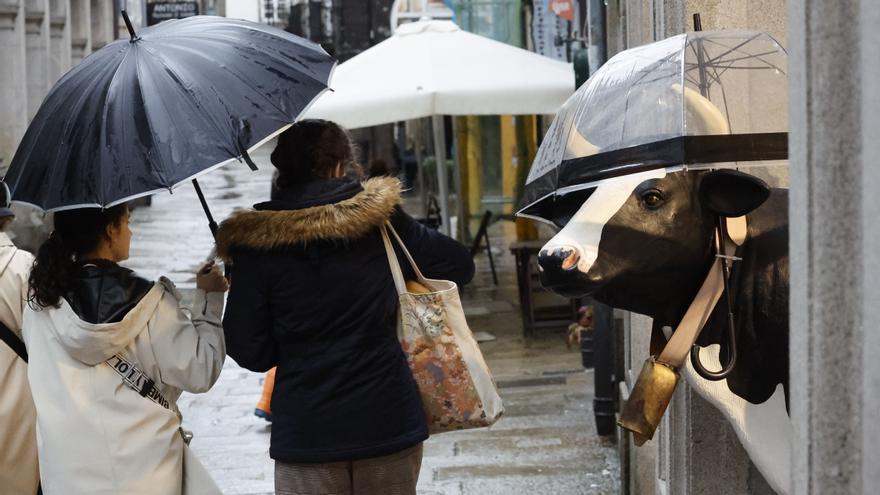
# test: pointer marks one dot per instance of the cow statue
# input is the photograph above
(644, 243)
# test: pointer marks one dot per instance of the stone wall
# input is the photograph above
(694, 438)
(40, 40)
(835, 246)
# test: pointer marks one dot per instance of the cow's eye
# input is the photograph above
(652, 198)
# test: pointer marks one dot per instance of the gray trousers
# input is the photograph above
(394, 474)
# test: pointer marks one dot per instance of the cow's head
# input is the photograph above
(643, 242)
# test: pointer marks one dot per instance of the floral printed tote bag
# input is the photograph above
(455, 384)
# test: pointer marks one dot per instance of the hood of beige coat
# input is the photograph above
(93, 343)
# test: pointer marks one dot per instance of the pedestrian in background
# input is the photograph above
(88, 322)
(19, 473)
(312, 294)
(410, 165)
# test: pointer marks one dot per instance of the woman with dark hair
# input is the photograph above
(312, 294)
(110, 354)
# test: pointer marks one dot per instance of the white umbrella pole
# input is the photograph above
(442, 180)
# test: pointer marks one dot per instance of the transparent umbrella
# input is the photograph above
(694, 100)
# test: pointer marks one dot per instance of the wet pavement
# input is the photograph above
(544, 444)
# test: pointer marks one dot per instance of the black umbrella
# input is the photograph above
(147, 114)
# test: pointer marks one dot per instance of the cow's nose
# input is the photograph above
(559, 257)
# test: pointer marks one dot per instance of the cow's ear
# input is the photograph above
(731, 193)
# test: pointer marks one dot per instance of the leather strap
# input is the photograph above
(684, 336)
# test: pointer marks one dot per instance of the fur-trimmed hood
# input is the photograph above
(270, 228)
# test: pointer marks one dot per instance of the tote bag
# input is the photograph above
(456, 387)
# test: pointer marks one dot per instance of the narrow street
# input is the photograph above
(544, 444)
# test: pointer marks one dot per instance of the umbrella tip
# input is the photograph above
(698, 24)
(128, 25)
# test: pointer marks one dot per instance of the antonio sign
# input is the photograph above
(162, 11)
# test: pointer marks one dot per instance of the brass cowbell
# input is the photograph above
(642, 412)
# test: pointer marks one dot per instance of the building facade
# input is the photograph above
(41, 40)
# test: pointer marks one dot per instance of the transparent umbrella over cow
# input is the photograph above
(687, 101)
(660, 172)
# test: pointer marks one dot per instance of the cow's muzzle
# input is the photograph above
(560, 273)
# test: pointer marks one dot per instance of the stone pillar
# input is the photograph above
(639, 464)
(870, 63)
(59, 43)
(13, 80)
(639, 23)
(102, 23)
(37, 62)
(835, 246)
(80, 30)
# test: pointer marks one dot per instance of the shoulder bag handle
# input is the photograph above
(396, 272)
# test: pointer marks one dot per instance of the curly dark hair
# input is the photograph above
(310, 150)
(76, 232)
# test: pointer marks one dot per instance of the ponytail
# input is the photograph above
(76, 232)
(50, 275)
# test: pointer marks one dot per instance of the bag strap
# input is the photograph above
(679, 345)
(12, 340)
(396, 272)
(6, 334)
(137, 380)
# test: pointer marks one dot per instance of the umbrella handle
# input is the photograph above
(211, 223)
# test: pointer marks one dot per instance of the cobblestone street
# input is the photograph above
(544, 444)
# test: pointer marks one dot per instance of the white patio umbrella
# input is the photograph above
(432, 68)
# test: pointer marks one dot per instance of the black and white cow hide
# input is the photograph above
(643, 243)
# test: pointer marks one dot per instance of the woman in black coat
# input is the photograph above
(312, 294)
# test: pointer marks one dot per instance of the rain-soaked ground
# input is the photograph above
(544, 444)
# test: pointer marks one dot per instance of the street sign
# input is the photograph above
(563, 8)
(162, 11)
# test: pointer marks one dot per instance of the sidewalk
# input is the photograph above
(544, 444)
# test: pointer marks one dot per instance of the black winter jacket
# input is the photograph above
(312, 294)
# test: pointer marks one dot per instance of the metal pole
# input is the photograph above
(442, 180)
(456, 180)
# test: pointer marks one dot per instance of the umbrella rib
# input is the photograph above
(731, 49)
(158, 169)
(102, 140)
(237, 76)
(217, 127)
(67, 125)
(283, 61)
(737, 47)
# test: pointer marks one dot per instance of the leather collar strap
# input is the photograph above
(687, 331)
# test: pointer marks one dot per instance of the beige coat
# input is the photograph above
(96, 435)
(18, 442)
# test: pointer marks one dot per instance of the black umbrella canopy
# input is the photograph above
(144, 115)
(693, 100)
